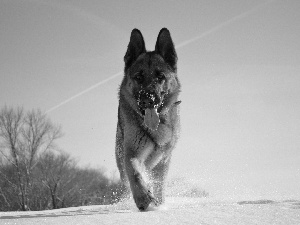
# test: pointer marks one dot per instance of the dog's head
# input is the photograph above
(151, 77)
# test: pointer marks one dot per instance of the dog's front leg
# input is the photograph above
(137, 152)
(162, 135)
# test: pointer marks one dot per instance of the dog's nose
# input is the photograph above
(147, 103)
(148, 99)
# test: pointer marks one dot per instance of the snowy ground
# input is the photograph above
(176, 211)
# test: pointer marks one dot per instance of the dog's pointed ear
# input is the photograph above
(165, 47)
(135, 47)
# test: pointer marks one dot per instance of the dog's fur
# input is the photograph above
(142, 153)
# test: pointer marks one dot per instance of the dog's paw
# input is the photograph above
(145, 200)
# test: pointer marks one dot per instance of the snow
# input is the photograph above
(177, 210)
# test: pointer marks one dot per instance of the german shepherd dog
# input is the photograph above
(148, 117)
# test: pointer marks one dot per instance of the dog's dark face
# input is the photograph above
(151, 76)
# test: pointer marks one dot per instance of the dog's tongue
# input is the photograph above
(151, 118)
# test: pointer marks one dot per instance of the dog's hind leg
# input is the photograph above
(159, 174)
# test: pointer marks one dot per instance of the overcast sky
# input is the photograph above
(238, 65)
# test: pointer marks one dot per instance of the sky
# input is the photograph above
(238, 63)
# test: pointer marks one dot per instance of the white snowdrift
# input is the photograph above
(177, 210)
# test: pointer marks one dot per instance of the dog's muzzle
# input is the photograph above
(148, 100)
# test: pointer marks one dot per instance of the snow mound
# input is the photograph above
(177, 210)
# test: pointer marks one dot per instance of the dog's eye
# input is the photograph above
(160, 76)
(139, 77)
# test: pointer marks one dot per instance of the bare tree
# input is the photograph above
(56, 171)
(23, 137)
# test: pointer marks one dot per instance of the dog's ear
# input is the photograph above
(135, 47)
(165, 47)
